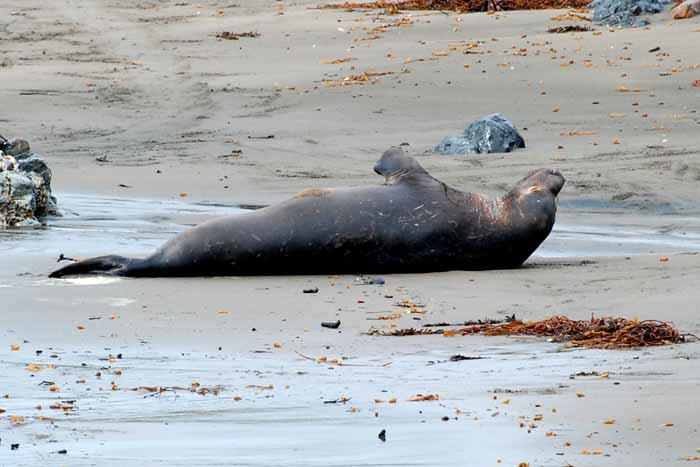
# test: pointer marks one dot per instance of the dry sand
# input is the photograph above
(150, 86)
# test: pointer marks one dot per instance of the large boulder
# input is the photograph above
(490, 134)
(35, 165)
(625, 12)
(25, 186)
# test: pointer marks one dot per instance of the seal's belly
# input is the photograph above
(324, 233)
(319, 235)
(347, 241)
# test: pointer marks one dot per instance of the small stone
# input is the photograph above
(8, 163)
(17, 146)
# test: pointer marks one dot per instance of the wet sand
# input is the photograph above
(239, 337)
(151, 87)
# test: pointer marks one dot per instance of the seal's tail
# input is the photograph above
(110, 265)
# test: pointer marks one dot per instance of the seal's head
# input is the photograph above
(535, 196)
(549, 180)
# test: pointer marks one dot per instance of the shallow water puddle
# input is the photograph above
(615, 239)
(98, 225)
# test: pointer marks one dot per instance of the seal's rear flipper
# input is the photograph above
(112, 265)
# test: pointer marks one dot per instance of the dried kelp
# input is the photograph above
(598, 333)
(460, 5)
(234, 36)
(570, 28)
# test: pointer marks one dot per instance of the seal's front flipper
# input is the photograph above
(395, 165)
(110, 265)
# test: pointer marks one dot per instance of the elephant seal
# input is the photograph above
(412, 223)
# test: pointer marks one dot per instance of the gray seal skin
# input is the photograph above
(412, 223)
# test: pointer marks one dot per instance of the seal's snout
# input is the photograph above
(549, 179)
(557, 181)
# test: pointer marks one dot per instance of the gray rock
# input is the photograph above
(25, 188)
(18, 147)
(28, 223)
(8, 163)
(17, 198)
(490, 134)
(625, 12)
(34, 163)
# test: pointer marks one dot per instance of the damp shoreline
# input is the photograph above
(93, 225)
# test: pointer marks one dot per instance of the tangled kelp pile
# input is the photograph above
(596, 333)
(460, 5)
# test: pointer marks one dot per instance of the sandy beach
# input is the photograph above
(238, 371)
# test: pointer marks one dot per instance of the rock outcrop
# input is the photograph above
(25, 186)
